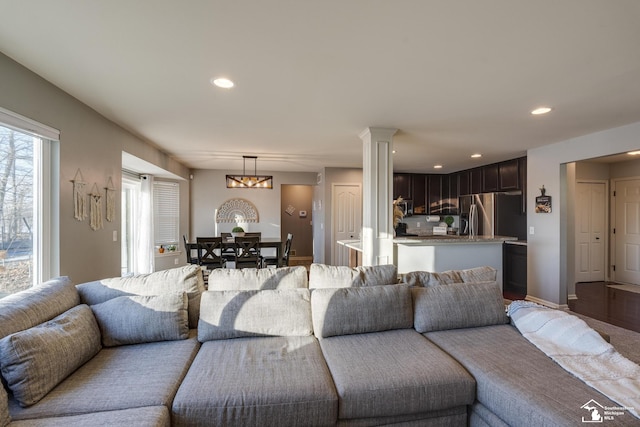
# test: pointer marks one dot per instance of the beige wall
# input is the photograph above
(209, 191)
(94, 145)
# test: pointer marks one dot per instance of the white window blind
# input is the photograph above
(166, 211)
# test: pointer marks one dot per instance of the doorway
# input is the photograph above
(626, 261)
(296, 218)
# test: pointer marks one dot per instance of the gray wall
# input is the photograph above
(300, 197)
(88, 142)
(548, 252)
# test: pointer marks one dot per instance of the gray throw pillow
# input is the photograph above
(332, 276)
(427, 278)
(143, 318)
(181, 279)
(235, 314)
(461, 305)
(479, 274)
(343, 311)
(36, 360)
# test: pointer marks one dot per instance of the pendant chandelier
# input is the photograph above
(250, 181)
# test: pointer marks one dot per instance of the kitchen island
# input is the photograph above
(438, 253)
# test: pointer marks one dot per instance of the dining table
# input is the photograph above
(265, 243)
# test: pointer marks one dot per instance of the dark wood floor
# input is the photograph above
(614, 306)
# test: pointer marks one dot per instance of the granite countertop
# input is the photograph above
(448, 239)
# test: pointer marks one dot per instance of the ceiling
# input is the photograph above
(454, 77)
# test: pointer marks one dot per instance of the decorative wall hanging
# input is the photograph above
(237, 210)
(543, 202)
(79, 199)
(111, 201)
(96, 208)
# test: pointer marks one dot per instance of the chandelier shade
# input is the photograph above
(250, 181)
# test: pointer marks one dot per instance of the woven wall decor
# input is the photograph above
(237, 210)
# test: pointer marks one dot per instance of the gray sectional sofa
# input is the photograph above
(275, 347)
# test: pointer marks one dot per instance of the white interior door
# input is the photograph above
(627, 231)
(591, 231)
(347, 219)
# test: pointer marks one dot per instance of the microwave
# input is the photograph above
(406, 206)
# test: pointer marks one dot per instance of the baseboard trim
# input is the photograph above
(547, 303)
(572, 296)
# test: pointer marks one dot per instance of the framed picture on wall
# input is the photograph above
(543, 204)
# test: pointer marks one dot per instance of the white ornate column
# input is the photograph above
(377, 195)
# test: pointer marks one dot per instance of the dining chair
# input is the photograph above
(247, 252)
(253, 234)
(210, 252)
(284, 260)
(191, 249)
(228, 250)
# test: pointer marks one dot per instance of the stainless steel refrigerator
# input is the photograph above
(493, 214)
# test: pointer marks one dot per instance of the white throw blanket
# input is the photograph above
(580, 350)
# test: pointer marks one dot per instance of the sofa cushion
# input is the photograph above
(116, 378)
(479, 274)
(341, 311)
(143, 318)
(244, 279)
(460, 305)
(147, 416)
(263, 381)
(34, 361)
(234, 314)
(427, 278)
(330, 276)
(36, 305)
(182, 279)
(394, 373)
(5, 418)
(517, 382)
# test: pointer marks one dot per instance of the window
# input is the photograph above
(166, 213)
(130, 209)
(28, 202)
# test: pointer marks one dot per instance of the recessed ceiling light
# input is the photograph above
(437, 166)
(476, 156)
(540, 110)
(222, 82)
(393, 152)
(634, 153)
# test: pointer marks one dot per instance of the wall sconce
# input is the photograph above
(250, 181)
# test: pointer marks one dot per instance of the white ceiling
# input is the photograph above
(454, 77)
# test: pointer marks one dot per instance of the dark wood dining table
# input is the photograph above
(265, 243)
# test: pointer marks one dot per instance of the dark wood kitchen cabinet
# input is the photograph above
(475, 180)
(514, 275)
(464, 187)
(490, 178)
(419, 192)
(402, 186)
(509, 176)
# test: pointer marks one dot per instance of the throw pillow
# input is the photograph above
(36, 305)
(246, 279)
(143, 318)
(182, 279)
(235, 314)
(426, 278)
(331, 276)
(36, 360)
(343, 311)
(461, 305)
(479, 274)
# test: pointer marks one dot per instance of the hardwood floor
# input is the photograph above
(606, 302)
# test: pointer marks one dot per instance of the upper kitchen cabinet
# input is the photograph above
(464, 182)
(476, 180)
(490, 178)
(403, 186)
(419, 193)
(509, 176)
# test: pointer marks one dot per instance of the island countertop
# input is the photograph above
(432, 240)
